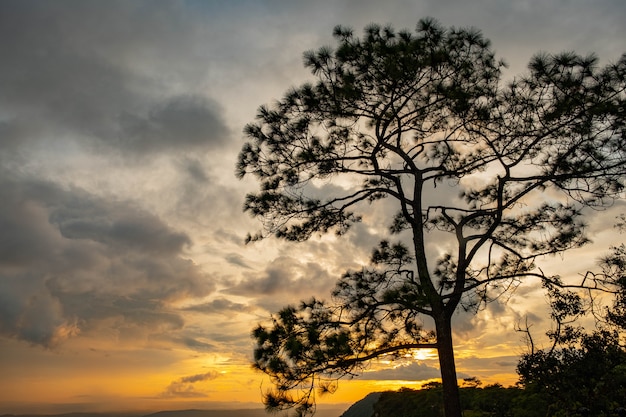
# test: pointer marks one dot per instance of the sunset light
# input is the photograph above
(143, 143)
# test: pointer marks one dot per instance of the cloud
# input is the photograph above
(29, 313)
(412, 372)
(184, 121)
(197, 345)
(219, 306)
(194, 170)
(285, 280)
(486, 366)
(71, 261)
(237, 259)
(116, 225)
(51, 79)
(184, 386)
(81, 71)
(99, 89)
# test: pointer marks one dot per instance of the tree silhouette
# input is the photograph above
(411, 117)
(589, 371)
(582, 370)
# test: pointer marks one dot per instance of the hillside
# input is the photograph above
(364, 407)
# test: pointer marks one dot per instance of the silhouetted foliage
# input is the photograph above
(590, 375)
(582, 370)
(496, 401)
(407, 402)
(409, 117)
(490, 401)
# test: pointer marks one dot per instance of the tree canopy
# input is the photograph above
(583, 372)
(410, 117)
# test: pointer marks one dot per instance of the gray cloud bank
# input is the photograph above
(82, 82)
(69, 260)
(98, 75)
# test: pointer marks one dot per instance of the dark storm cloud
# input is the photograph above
(88, 71)
(69, 260)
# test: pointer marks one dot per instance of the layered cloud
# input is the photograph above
(70, 260)
(411, 372)
(85, 88)
(89, 73)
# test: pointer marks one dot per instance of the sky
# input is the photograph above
(125, 283)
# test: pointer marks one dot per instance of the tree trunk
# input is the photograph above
(445, 350)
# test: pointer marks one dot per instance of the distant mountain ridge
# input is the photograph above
(244, 412)
(252, 412)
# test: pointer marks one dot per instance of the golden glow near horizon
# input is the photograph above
(96, 381)
(124, 280)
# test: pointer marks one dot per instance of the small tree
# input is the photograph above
(396, 115)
